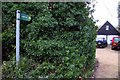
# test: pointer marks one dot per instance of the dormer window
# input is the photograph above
(107, 27)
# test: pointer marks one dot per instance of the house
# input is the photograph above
(107, 31)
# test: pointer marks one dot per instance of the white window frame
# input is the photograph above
(107, 27)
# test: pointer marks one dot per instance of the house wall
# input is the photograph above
(109, 37)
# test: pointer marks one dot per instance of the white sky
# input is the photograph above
(106, 10)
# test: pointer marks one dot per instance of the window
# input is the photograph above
(116, 39)
(107, 27)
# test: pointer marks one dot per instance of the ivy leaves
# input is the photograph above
(59, 40)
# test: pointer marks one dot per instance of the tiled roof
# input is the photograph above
(107, 29)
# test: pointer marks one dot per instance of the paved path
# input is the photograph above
(108, 63)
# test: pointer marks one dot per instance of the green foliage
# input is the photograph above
(59, 42)
(28, 68)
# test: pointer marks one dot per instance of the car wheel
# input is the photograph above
(105, 45)
(112, 48)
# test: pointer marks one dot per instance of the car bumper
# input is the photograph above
(100, 45)
(116, 47)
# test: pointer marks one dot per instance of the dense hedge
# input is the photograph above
(59, 42)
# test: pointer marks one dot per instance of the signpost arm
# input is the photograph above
(17, 36)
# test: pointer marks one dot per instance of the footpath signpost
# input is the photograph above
(17, 36)
(24, 17)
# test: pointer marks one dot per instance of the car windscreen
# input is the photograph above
(116, 39)
(99, 39)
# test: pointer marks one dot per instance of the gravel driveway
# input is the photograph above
(107, 63)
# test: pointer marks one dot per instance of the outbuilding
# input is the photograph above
(107, 31)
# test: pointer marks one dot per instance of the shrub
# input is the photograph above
(60, 41)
